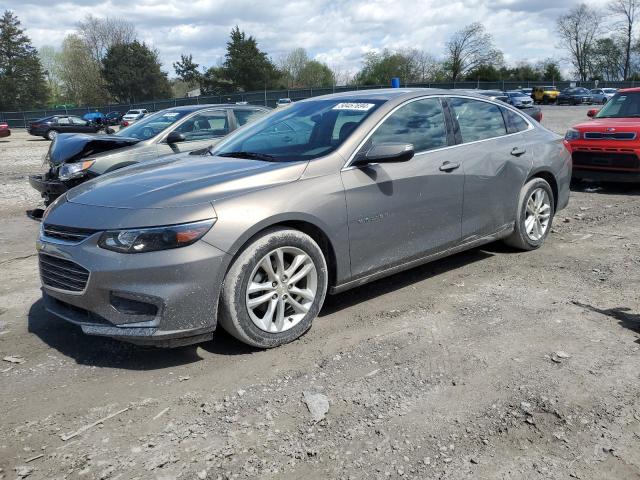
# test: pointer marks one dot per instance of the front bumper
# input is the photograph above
(49, 189)
(607, 176)
(178, 290)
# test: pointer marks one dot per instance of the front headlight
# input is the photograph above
(572, 134)
(156, 238)
(74, 170)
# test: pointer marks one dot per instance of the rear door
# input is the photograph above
(202, 129)
(401, 211)
(496, 153)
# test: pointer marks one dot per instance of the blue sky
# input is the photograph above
(337, 32)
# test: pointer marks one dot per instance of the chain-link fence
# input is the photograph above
(270, 97)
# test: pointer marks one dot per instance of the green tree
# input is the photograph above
(50, 60)
(246, 66)
(132, 73)
(215, 82)
(550, 70)
(607, 60)
(380, 68)
(187, 71)
(22, 81)
(316, 74)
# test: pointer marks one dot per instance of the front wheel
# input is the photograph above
(536, 207)
(52, 134)
(274, 289)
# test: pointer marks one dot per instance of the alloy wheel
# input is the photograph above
(281, 289)
(538, 214)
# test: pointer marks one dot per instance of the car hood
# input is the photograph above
(70, 147)
(601, 124)
(182, 180)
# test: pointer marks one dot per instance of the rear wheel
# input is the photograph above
(52, 134)
(274, 289)
(536, 207)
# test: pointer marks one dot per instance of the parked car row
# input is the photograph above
(250, 232)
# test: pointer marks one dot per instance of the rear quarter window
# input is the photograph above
(515, 122)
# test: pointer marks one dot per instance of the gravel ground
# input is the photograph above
(490, 364)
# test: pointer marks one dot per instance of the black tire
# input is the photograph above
(545, 100)
(519, 238)
(233, 314)
(51, 134)
(604, 100)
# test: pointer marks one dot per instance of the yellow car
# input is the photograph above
(544, 94)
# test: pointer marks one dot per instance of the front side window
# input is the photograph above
(77, 121)
(64, 121)
(420, 123)
(303, 131)
(205, 125)
(478, 120)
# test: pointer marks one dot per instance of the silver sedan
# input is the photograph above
(323, 196)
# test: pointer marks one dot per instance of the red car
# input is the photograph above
(4, 130)
(607, 147)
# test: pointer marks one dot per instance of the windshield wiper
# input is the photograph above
(250, 155)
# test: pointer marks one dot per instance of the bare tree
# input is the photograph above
(425, 65)
(625, 13)
(101, 33)
(469, 49)
(578, 30)
(79, 73)
(292, 65)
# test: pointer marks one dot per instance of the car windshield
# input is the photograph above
(304, 131)
(609, 90)
(152, 125)
(621, 105)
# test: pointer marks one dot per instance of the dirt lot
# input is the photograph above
(487, 365)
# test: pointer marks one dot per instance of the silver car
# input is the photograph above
(326, 195)
(603, 95)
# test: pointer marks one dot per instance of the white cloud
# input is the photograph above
(335, 31)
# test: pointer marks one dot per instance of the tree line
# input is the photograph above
(103, 61)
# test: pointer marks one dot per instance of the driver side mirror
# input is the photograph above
(592, 113)
(175, 137)
(386, 153)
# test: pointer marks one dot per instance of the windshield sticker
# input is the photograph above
(360, 107)
(171, 114)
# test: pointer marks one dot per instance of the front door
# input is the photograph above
(205, 128)
(400, 211)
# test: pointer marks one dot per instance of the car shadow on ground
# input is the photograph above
(335, 303)
(69, 340)
(606, 188)
(621, 314)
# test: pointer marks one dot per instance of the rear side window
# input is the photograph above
(478, 120)
(420, 123)
(246, 116)
(515, 123)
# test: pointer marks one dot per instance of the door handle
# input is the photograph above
(449, 166)
(517, 151)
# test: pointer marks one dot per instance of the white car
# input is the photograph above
(133, 116)
(283, 102)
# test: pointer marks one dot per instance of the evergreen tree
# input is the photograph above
(22, 81)
(132, 73)
(246, 66)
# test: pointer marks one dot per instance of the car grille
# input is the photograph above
(62, 274)
(609, 135)
(67, 234)
(605, 159)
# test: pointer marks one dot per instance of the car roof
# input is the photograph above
(386, 94)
